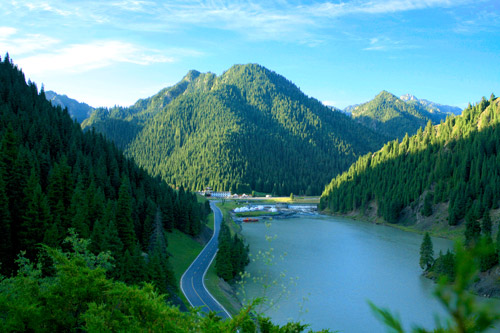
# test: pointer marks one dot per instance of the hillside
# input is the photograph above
(393, 117)
(454, 165)
(249, 129)
(77, 110)
(54, 177)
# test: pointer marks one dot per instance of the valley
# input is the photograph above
(75, 183)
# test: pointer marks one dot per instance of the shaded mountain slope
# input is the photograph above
(77, 110)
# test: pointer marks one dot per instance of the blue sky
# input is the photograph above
(340, 52)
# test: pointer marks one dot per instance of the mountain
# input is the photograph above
(431, 106)
(55, 178)
(451, 170)
(77, 110)
(393, 117)
(121, 124)
(247, 129)
(348, 109)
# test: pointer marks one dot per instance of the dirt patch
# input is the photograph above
(204, 236)
(488, 284)
(230, 294)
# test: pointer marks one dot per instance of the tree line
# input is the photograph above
(232, 256)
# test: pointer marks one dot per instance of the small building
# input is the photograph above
(225, 194)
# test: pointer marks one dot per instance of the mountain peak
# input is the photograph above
(409, 97)
(386, 95)
(191, 75)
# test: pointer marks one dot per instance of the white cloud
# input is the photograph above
(383, 43)
(329, 103)
(6, 32)
(256, 20)
(79, 58)
(134, 5)
(14, 43)
(46, 6)
(329, 9)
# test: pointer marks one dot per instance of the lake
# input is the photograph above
(337, 265)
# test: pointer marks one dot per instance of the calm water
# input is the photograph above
(339, 265)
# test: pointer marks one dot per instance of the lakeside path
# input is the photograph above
(192, 281)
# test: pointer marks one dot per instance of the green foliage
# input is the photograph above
(444, 265)
(426, 253)
(232, 256)
(427, 208)
(78, 296)
(248, 129)
(472, 231)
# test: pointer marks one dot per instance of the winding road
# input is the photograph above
(192, 281)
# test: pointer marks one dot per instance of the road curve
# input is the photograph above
(192, 281)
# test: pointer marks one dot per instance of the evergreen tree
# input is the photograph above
(472, 231)
(6, 254)
(36, 217)
(486, 225)
(426, 253)
(427, 208)
(124, 222)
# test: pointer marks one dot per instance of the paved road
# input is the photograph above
(192, 281)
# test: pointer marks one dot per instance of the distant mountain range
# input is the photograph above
(431, 106)
(248, 129)
(395, 117)
(77, 110)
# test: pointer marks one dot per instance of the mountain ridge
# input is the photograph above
(230, 120)
(77, 110)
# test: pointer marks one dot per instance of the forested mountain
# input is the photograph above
(77, 110)
(455, 164)
(393, 117)
(54, 177)
(122, 124)
(431, 106)
(248, 129)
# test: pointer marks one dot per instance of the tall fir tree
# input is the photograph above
(36, 217)
(124, 222)
(426, 252)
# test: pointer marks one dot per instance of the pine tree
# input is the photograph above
(486, 225)
(36, 217)
(427, 208)
(124, 222)
(6, 255)
(472, 231)
(60, 192)
(426, 253)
